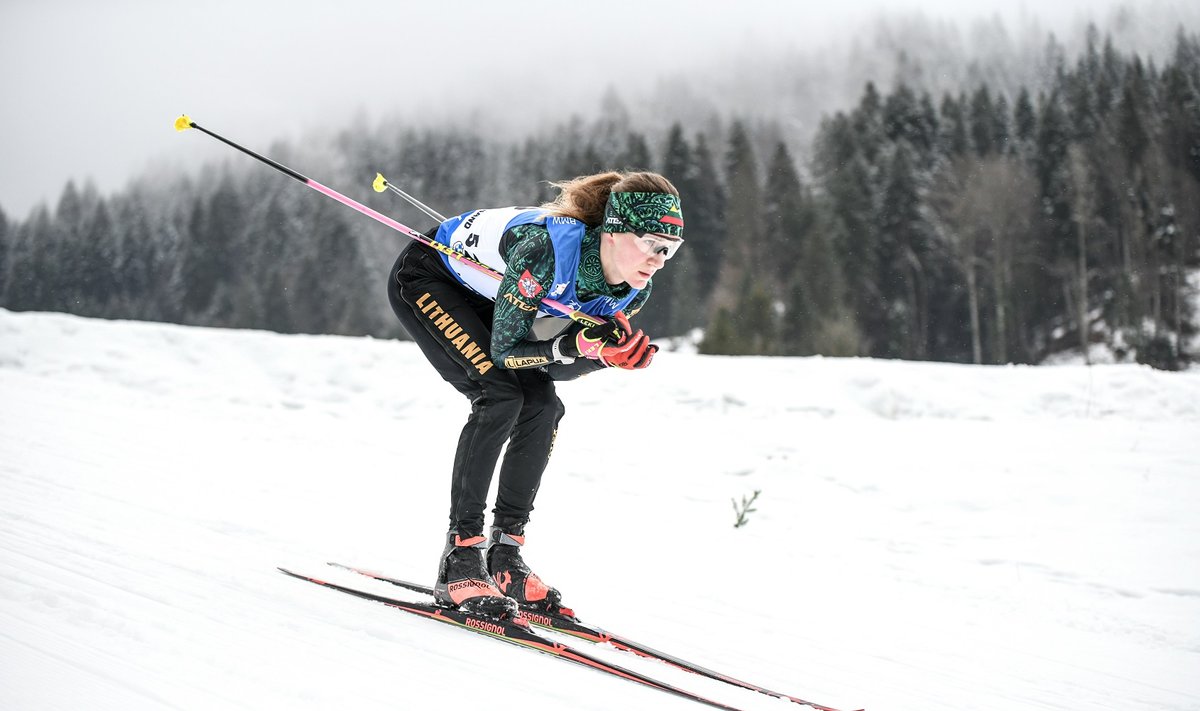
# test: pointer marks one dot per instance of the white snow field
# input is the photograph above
(928, 536)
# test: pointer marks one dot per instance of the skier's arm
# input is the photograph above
(583, 366)
(529, 274)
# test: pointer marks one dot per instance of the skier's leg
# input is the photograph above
(520, 476)
(442, 319)
(529, 449)
(448, 328)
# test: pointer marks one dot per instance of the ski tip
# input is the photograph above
(183, 123)
(302, 576)
(380, 183)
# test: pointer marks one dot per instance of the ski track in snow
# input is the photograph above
(928, 536)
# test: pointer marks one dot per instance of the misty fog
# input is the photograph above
(90, 89)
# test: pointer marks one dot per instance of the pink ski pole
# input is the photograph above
(556, 308)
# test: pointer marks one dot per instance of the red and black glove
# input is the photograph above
(614, 343)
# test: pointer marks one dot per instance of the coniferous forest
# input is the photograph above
(982, 225)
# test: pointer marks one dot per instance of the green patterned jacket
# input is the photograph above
(528, 247)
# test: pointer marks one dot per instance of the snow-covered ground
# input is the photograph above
(928, 536)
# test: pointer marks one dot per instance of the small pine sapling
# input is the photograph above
(744, 509)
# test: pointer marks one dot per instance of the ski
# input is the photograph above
(567, 623)
(514, 632)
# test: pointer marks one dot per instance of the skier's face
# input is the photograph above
(634, 259)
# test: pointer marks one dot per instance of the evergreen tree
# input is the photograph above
(196, 272)
(209, 259)
(705, 211)
(1024, 120)
(955, 138)
(681, 296)
(1181, 101)
(1001, 134)
(329, 295)
(64, 245)
(1056, 243)
(903, 245)
(1132, 137)
(902, 119)
(530, 167)
(137, 262)
(636, 155)
(1081, 100)
(742, 252)
(276, 284)
(788, 223)
(1053, 137)
(930, 127)
(97, 256)
(846, 179)
(819, 319)
(672, 285)
(609, 134)
(677, 158)
(868, 123)
(70, 213)
(36, 265)
(786, 218)
(983, 122)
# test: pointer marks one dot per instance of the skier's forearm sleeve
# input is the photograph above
(570, 371)
(530, 271)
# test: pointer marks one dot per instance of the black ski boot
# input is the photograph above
(513, 576)
(463, 582)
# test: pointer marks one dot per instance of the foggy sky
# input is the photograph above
(89, 90)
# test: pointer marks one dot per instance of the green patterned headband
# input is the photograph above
(659, 213)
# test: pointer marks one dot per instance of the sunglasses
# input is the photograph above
(653, 244)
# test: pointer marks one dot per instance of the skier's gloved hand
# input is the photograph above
(634, 355)
(613, 343)
(585, 341)
(614, 330)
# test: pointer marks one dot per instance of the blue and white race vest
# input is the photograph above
(477, 235)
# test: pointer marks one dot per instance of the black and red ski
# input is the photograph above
(515, 632)
(567, 623)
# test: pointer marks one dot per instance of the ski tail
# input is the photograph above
(515, 632)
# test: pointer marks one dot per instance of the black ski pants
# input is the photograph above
(453, 328)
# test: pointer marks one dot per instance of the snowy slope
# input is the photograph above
(928, 536)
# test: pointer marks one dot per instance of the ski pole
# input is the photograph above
(381, 183)
(551, 306)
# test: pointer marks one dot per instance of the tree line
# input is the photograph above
(971, 227)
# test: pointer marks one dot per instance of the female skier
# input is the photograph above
(594, 248)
